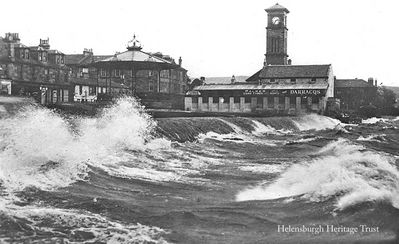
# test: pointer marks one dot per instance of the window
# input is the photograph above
(315, 99)
(103, 73)
(270, 101)
(293, 81)
(236, 99)
(226, 99)
(281, 100)
(62, 59)
(46, 71)
(205, 99)
(194, 99)
(215, 99)
(85, 70)
(27, 54)
(22, 53)
(292, 100)
(44, 57)
(312, 81)
(117, 73)
(92, 90)
(80, 89)
(272, 81)
(247, 99)
(57, 59)
(151, 86)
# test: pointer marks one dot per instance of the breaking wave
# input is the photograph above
(341, 169)
(40, 148)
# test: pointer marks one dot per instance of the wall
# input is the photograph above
(257, 105)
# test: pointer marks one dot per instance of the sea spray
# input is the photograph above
(342, 170)
(39, 148)
(315, 122)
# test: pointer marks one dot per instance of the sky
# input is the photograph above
(219, 37)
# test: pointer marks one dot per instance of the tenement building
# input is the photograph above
(36, 71)
(278, 87)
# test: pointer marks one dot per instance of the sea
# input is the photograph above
(124, 177)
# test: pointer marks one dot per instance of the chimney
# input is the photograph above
(87, 52)
(12, 37)
(45, 43)
(13, 40)
(180, 61)
(371, 81)
(289, 61)
(233, 79)
(376, 83)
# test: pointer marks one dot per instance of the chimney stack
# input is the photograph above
(289, 61)
(371, 81)
(180, 61)
(376, 83)
(45, 43)
(87, 51)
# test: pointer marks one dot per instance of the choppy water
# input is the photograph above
(123, 177)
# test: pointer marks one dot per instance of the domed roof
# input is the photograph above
(277, 7)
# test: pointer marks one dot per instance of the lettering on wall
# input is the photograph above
(293, 92)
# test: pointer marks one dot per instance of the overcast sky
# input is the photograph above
(219, 37)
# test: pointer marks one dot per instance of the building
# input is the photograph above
(36, 71)
(153, 77)
(84, 80)
(355, 93)
(277, 88)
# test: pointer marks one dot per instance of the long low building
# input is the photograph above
(282, 89)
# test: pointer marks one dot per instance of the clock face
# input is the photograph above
(276, 20)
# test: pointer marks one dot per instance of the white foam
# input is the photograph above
(38, 147)
(372, 138)
(344, 170)
(261, 129)
(373, 120)
(54, 220)
(264, 168)
(315, 122)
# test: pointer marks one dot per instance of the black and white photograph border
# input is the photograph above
(199, 121)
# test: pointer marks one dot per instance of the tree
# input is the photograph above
(385, 100)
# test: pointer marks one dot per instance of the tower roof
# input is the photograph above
(277, 7)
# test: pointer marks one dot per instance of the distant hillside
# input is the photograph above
(395, 89)
(224, 80)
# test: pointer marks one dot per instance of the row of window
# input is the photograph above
(41, 56)
(141, 73)
(259, 100)
(293, 80)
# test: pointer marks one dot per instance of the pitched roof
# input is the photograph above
(345, 83)
(224, 79)
(292, 71)
(249, 86)
(277, 7)
(136, 55)
(81, 59)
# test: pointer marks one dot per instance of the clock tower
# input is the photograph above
(276, 35)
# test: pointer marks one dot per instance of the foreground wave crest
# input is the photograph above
(341, 169)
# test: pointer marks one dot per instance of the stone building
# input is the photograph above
(277, 88)
(153, 77)
(355, 93)
(36, 71)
